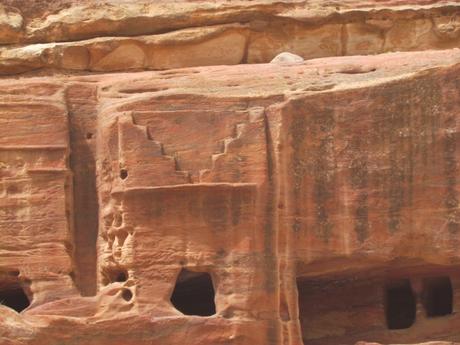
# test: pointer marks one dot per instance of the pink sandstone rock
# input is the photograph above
(222, 199)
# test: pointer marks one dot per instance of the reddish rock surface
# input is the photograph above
(162, 183)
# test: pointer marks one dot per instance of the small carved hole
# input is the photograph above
(89, 136)
(123, 174)
(127, 295)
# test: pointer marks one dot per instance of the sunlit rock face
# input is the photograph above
(161, 182)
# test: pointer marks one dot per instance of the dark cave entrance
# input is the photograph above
(194, 294)
(14, 297)
(400, 304)
(437, 296)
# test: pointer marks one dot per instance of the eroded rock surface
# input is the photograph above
(223, 199)
(125, 35)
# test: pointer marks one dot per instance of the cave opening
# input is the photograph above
(437, 296)
(400, 304)
(14, 297)
(194, 294)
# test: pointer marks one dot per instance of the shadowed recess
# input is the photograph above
(437, 296)
(115, 275)
(400, 305)
(194, 294)
(14, 298)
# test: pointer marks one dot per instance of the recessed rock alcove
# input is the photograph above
(387, 303)
(437, 296)
(14, 297)
(194, 294)
(400, 304)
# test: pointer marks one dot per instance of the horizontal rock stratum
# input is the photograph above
(161, 182)
(126, 35)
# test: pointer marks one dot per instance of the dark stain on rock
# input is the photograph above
(395, 194)
(359, 181)
(315, 159)
(395, 114)
(298, 131)
(405, 128)
(359, 173)
(270, 260)
(450, 172)
(323, 170)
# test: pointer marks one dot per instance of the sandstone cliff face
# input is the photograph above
(162, 183)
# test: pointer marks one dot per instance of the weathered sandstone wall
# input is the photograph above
(162, 183)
